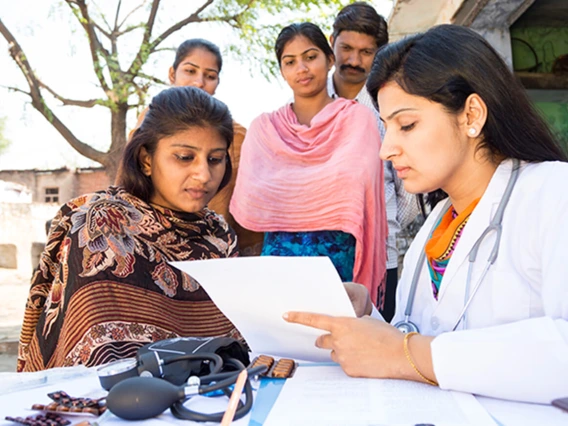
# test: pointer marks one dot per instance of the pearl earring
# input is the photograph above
(472, 131)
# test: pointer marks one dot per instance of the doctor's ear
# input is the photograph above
(473, 116)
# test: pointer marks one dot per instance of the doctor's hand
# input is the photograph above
(359, 297)
(366, 347)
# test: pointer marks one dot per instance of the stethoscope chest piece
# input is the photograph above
(406, 327)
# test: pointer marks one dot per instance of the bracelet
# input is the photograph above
(407, 353)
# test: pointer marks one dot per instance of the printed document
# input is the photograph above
(254, 293)
(325, 395)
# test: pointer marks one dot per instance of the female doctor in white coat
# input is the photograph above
(457, 121)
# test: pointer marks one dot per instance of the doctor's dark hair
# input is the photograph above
(361, 17)
(306, 29)
(188, 46)
(172, 111)
(448, 63)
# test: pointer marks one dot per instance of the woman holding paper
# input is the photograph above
(460, 127)
(104, 286)
(311, 177)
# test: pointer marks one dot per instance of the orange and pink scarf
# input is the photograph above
(443, 242)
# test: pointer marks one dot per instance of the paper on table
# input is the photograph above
(254, 292)
(323, 395)
(523, 414)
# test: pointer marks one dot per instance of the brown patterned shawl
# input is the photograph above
(104, 288)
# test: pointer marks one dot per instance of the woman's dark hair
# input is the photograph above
(172, 111)
(311, 31)
(190, 45)
(362, 18)
(448, 63)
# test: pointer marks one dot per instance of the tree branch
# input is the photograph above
(16, 89)
(144, 51)
(102, 30)
(131, 28)
(115, 28)
(129, 14)
(102, 15)
(234, 18)
(85, 104)
(151, 21)
(95, 45)
(194, 17)
(38, 101)
(152, 78)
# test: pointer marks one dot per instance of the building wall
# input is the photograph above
(63, 180)
(26, 178)
(547, 43)
(70, 183)
(23, 225)
(91, 180)
(556, 114)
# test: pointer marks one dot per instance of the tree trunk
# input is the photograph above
(118, 141)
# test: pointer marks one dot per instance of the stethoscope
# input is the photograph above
(407, 326)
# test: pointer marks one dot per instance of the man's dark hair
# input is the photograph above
(361, 17)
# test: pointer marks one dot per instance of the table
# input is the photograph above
(18, 391)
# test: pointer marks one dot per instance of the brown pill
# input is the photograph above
(91, 410)
(283, 368)
(264, 360)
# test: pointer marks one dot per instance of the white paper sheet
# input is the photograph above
(324, 395)
(522, 414)
(254, 292)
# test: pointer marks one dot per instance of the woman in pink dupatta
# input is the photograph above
(310, 176)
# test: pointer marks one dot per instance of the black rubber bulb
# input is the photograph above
(139, 398)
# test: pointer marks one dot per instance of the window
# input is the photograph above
(51, 195)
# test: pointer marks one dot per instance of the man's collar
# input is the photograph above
(332, 91)
(331, 86)
(363, 93)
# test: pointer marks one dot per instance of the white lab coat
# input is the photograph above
(515, 342)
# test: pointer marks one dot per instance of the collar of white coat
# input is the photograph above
(477, 223)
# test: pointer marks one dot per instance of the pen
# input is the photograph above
(235, 398)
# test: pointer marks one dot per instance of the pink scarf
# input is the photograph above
(328, 176)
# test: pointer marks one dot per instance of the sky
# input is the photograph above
(57, 51)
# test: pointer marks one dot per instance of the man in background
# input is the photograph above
(358, 33)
